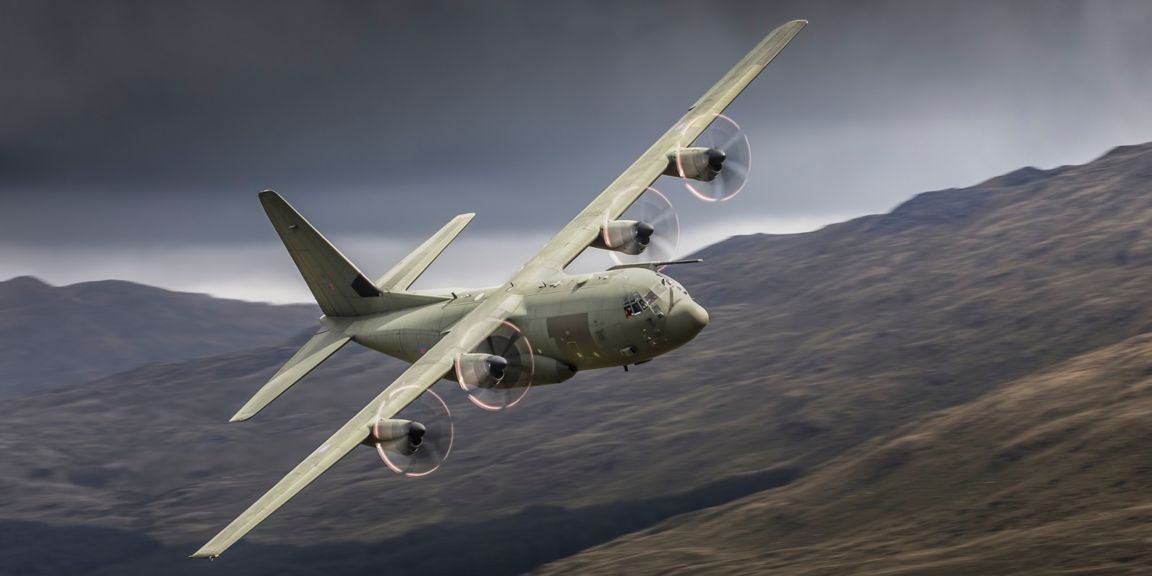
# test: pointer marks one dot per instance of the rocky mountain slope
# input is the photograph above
(60, 336)
(1048, 474)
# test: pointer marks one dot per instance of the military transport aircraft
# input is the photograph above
(540, 327)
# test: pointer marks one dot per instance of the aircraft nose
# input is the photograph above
(688, 317)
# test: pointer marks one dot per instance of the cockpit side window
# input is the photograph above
(650, 297)
(652, 300)
(634, 305)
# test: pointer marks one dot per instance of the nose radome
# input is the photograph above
(688, 317)
(699, 315)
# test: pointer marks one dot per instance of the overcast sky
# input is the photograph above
(134, 136)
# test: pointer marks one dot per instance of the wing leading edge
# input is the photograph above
(575, 237)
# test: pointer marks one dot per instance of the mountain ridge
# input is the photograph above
(65, 335)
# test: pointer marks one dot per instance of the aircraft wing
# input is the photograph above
(419, 377)
(619, 195)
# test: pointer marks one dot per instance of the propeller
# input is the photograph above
(658, 226)
(419, 443)
(498, 372)
(729, 156)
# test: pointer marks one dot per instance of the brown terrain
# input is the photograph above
(1048, 474)
(955, 387)
(60, 336)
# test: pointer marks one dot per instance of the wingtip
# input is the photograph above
(203, 554)
(240, 417)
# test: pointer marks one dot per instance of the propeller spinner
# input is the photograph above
(418, 444)
(715, 165)
(657, 226)
(498, 372)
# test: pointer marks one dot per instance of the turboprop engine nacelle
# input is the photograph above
(404, 436)
(480, 368)
(485, 370)
(696, 163)
(627, 236)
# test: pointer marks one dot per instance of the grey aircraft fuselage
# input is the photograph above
(575, 322)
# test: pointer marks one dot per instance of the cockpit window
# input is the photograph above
(634, 305)
(653, 301)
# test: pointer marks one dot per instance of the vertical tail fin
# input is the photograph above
(339, 287)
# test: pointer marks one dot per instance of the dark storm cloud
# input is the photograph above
(157, 108)
(158, 121)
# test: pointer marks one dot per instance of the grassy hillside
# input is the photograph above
(1048, 474)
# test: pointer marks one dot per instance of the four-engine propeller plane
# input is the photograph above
(540, 327)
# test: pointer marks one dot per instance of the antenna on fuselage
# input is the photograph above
(655, 266)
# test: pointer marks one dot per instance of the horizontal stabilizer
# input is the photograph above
(317, 350)
(403, 274)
